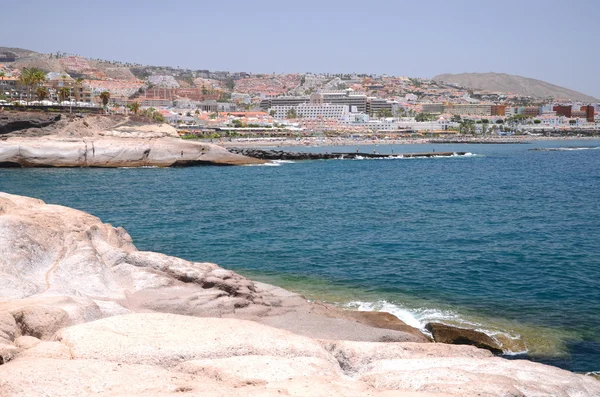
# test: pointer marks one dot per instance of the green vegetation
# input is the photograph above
(382, 113)
(64, 93)
(467, 127)
(42, 93)
(31, 77)
(424, 117)
(291, 114)
(237, 123)
(225, 97)
(153, 114)
(134, 107)
(104, 97)
(230, 83)
(415, 82)
(517, 118)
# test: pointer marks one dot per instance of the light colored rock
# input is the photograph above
(356, 358)
(26, 342)
(8, 327)
(48, 350)
(60, 267)
(169, 339)
(116, 151)
(57, 257)
(320, 326)
(40, 377)
(72, 378)
(485, 377)
(159, 353)
(41, 321)
(261, 369)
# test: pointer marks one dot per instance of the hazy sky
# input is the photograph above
(555, 41)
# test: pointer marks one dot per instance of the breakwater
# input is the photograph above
(265, 154)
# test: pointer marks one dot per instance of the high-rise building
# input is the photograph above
(498, 110)
(589, 112)
(432, 108)
(468, 109)
(563, 110)
(531, 111)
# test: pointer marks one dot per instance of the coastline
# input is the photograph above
(519, 340)
(341, 141)
(85, 294)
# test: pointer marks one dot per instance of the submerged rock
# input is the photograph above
(443, 333)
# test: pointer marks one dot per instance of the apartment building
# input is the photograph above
(498, 110)
(376, 105)
(11, 89)
(356, 101)
(269, 103)
(468, 109)
(589, 113)
(433, 108)
(312, 111)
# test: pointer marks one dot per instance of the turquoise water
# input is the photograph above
(506, 240)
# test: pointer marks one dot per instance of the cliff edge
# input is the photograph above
(33, 139)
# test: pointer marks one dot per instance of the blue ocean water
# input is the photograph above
(506, 240)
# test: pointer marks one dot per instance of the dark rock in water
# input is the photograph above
(387, 321)
(280, 154)
(443, 333)
(15, 121)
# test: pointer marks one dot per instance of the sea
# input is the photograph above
(503, 239)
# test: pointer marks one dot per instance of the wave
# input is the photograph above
(401, 157)
(512, 343)
(272, 163)
(565, 149)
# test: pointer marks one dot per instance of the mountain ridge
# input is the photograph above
(508, 83)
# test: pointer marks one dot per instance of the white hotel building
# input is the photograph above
(325, 111)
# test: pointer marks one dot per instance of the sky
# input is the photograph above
(554, 41)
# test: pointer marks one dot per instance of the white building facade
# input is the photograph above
(324, 111)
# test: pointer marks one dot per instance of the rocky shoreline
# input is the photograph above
(30, 139)
(82, 311)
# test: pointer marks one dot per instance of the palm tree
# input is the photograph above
(63, 94)
(37, 78)
(25, 79)
(42, 93)
(2, 74)
(104, 96)
(30, 77)
(134, 107)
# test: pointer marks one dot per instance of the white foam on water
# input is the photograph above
(272, 163)
(419, 317)
(416, 318)
(578, 148)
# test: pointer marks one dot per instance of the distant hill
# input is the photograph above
(20, 52)
(507, 83)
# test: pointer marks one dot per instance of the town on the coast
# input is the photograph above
(249, 106)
